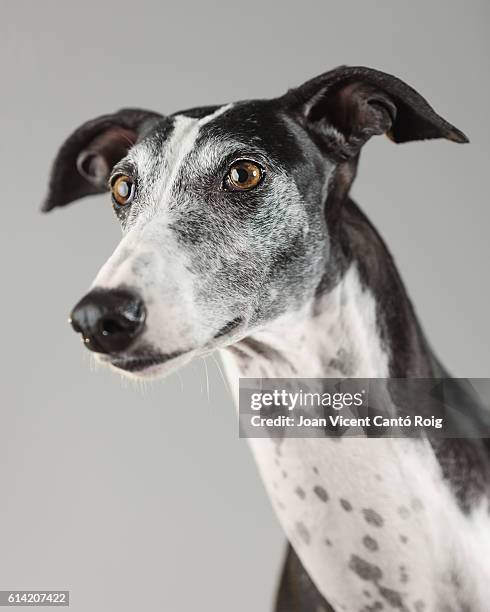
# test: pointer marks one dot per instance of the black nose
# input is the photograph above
(109, 319)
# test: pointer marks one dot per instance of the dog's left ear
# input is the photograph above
(361, 102)
(86, 158)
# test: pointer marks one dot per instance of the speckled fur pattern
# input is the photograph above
(290, 279)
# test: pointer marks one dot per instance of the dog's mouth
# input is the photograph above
(147, 358)
(137, 363)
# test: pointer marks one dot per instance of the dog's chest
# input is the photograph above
(372, 521)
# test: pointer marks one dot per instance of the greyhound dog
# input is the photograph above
(239, 235)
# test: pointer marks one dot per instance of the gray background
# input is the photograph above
(143, 497)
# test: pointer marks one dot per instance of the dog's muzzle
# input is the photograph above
(109, 320)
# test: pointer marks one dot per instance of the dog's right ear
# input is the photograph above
(86, 158)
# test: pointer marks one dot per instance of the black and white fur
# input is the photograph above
(291, 279)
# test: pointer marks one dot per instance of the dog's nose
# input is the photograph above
(109, 319)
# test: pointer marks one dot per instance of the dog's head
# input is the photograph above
(228, 213)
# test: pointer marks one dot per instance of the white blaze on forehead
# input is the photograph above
(148, 258)
(180, 144)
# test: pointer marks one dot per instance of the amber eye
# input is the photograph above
(243, 175)
(122, 190)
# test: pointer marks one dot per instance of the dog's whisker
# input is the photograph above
(207, 376)
(181, 380)
(223, 377)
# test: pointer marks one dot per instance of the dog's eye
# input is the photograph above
(122, 190)
(243, 175)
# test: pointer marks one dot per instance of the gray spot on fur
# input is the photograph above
(372, 573)
(328, 542)
(375, 607)
(404, 512)
(370, 543)
(403, 574)
(300, 492)
(284, 474)
(304, 534)
(315, 470)
(321, 493)
(403, 539)
(339, 366)
(364, 569)
(346, 505)
(392, 597)
(420, 606)
(455, 580)
(142, 262)
(372, 517)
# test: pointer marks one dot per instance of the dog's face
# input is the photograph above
(229, 214)
(216, 226)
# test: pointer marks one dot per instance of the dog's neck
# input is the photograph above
(334, 335)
